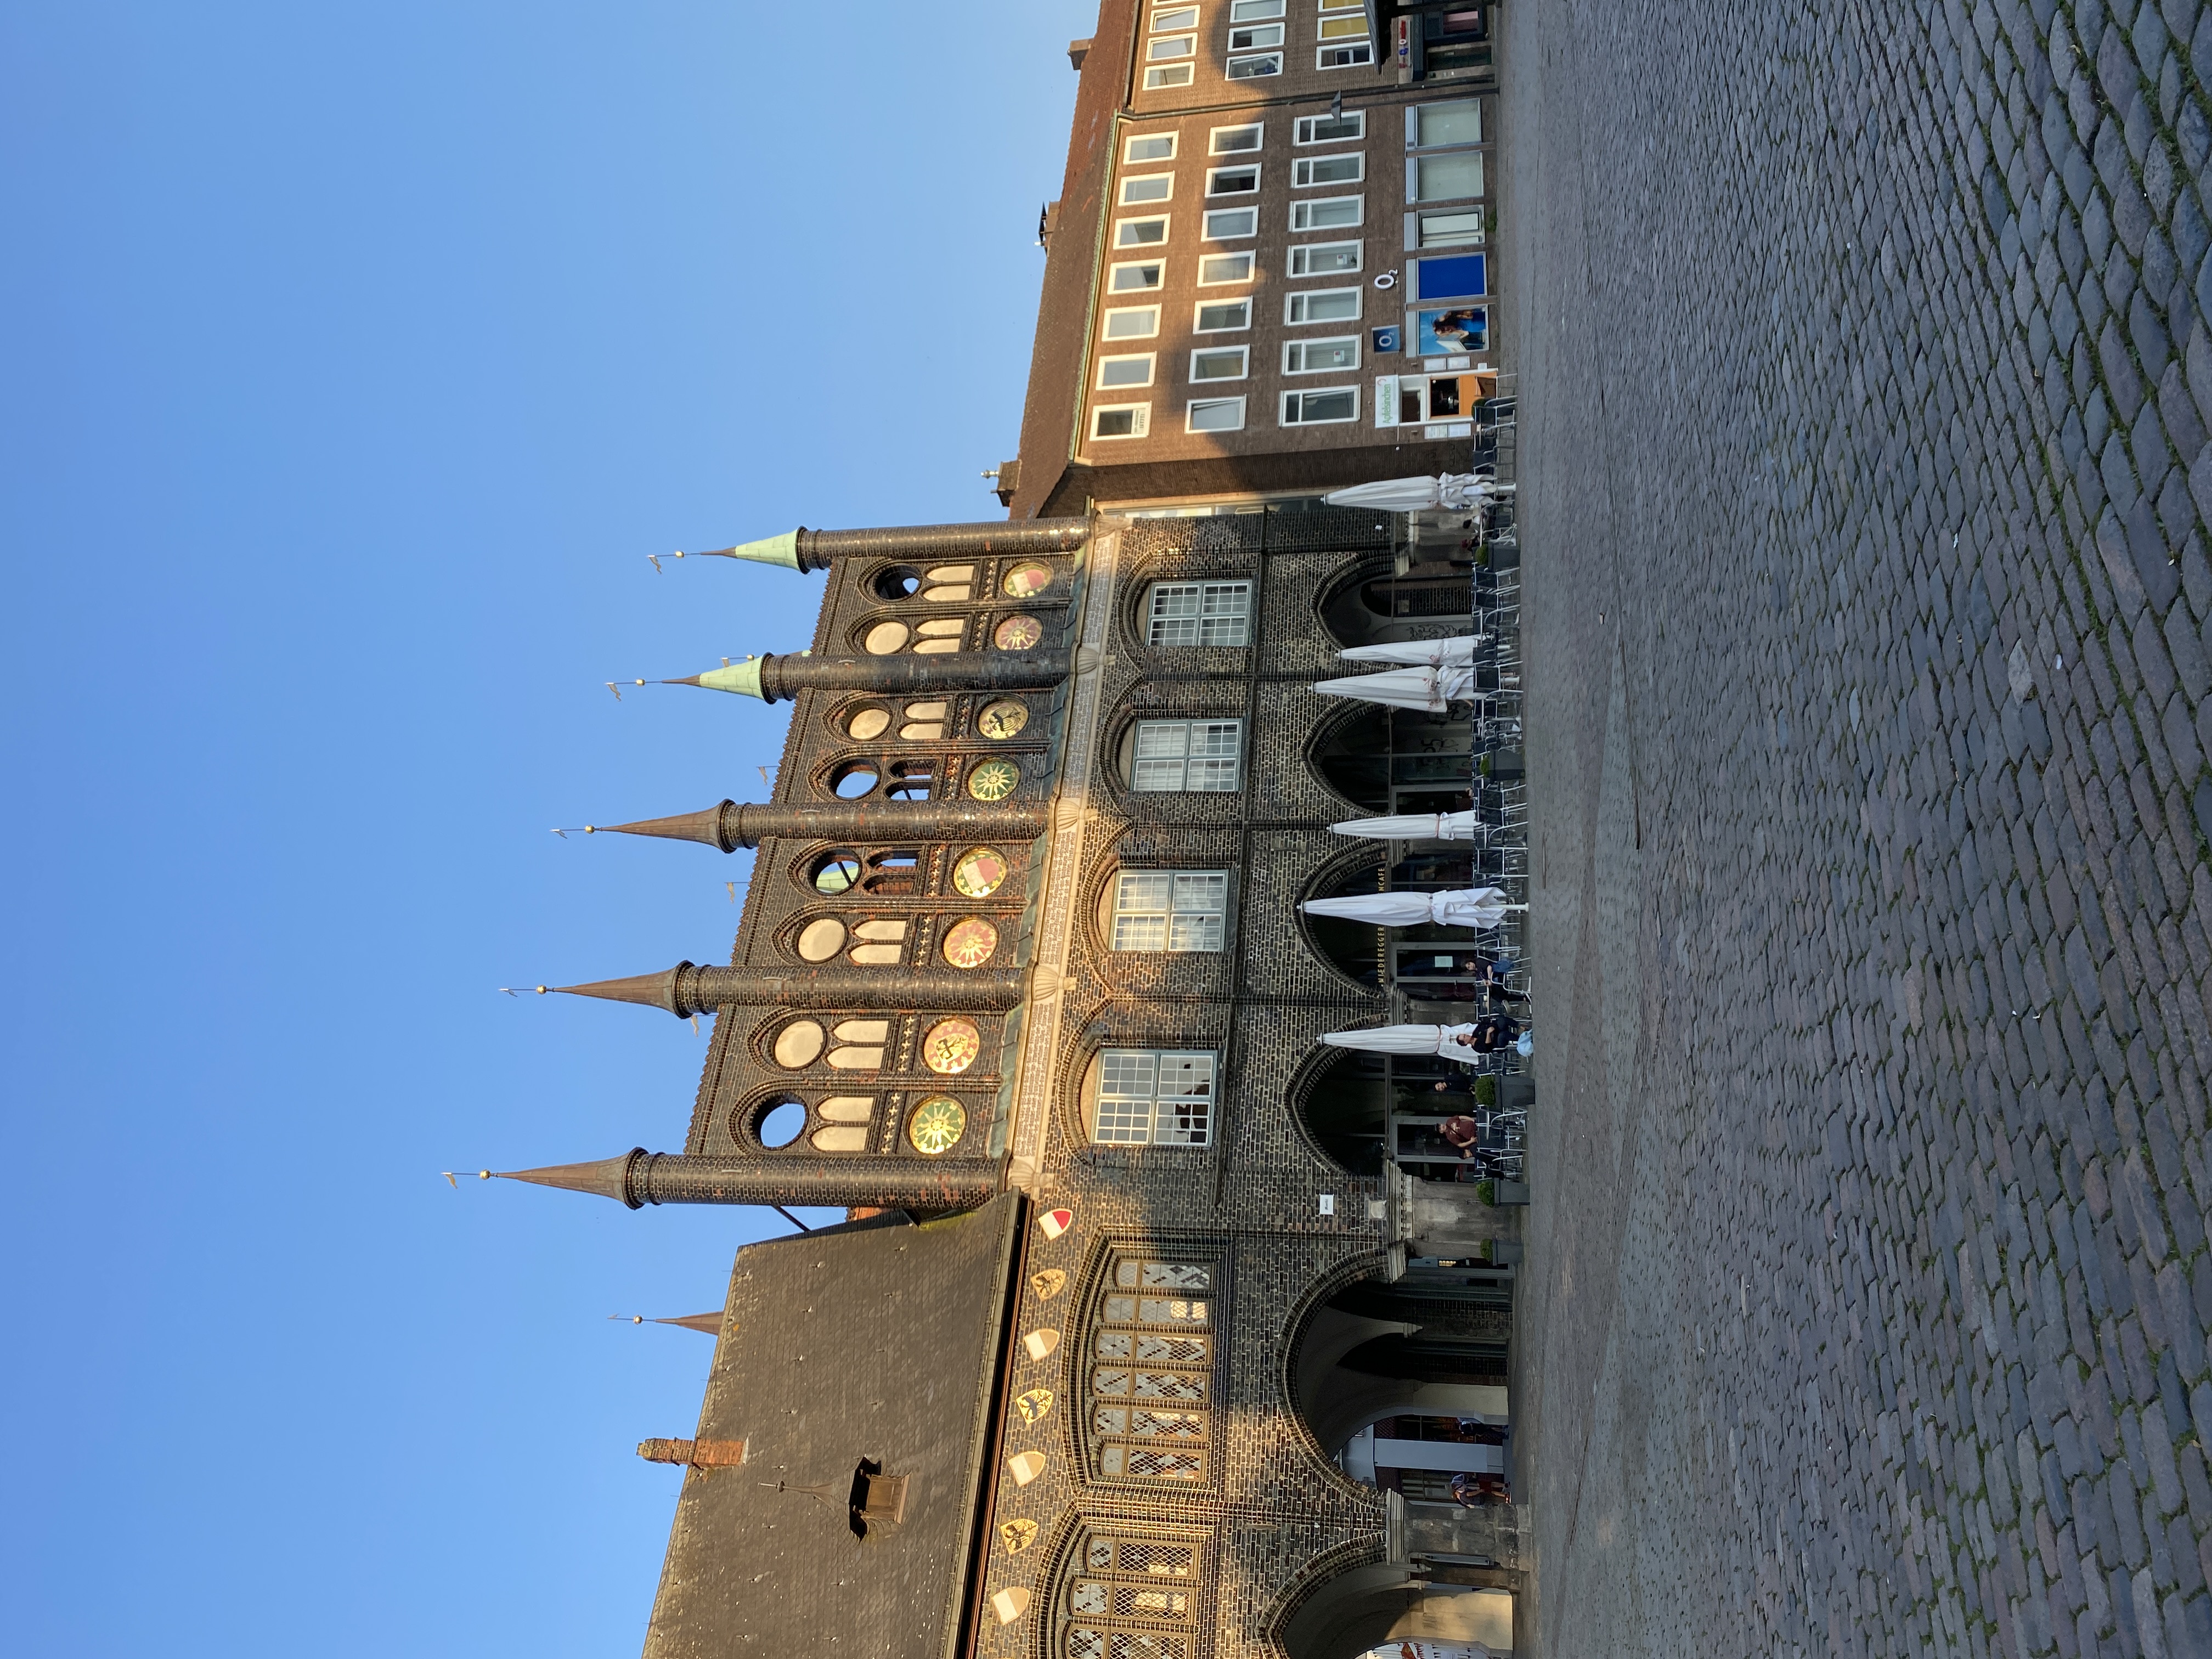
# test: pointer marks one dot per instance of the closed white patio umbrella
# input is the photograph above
(1450, 1040)
(1433, 689)
(1412, 826)
(1452, 489)
(1420, 653)
(1462, 907)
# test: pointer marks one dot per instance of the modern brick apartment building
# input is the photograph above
(1158, 1343)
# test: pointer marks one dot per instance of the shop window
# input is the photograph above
(1463, 228)
(1462, 275)
(1171, 909)
(1199, 613)
(1192, 756)
(1442, 178)
(1430, 125)
(1161, 1098)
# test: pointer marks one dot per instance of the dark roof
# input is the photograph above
(878, 1342)
(1071, 264)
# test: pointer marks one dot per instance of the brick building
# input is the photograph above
(1158, 1343)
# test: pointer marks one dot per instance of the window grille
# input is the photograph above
(1193, 757)
(1199, 613)
(1156, 1097)
(1171, 909)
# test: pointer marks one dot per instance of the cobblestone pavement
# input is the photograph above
(1866, 380)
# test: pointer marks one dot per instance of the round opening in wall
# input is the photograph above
(867, 724)
(777, 1123)
(851, 782)
(896, 581)
(837, 874)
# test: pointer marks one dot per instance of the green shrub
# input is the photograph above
(1485, 1091)
(1487, 1191)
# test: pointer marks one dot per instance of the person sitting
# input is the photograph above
(1462, 1131)
(1474, 1490)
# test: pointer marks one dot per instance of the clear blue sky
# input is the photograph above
(355, 359)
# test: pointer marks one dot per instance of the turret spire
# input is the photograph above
(804, 550)
(687, 989)
(638, 1178)
(728, 825)
(779, 678)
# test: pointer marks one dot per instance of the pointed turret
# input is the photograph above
(743, 677)
(610, 1177)
(802, 549)
(687, 989)
(638, 1178)
(729, 826)
(779, 678)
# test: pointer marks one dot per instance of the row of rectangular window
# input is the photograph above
(1456, 175)
(1323, 406)
(1217, 270)
(1307, 173)
(1313, 305)
(1329, 354)
(1428, 126)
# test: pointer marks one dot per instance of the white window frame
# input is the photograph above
(1163, 48)
(1300, 399)
(1184, 16)
(1479, 211)
(1302, 300)
(1207, 233)
(1221, 771)
(1269, 62)
(1302, 169)
(1215, 135)
(1253, 11)
(1302, 132)
(1154, 902)
(1123, 226)
(1123, 197)
(1190, 415)
(1140, 426)
(1144, 1116)
(1219, 614)
(1161, 76)
(1106, 323)
(1301, 255)
(1358, 54)
(1214, 174)
(1129, 156)
(1293, 349)
(1413, 126)
(1303, 214)
(1251, 31)
(1244, 363)
(1104, 384)
(1320, 27)
(1198, 312)
(1246, 254)
(1115, 285)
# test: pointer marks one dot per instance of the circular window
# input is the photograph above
(867, 723)
(1017, 632)
(779, 1121)
(980, 872)
(1000, 721)
(952, 1047)
(851, 782)
(837, 874)
(885, 638)
(992, 780)
(1026, 578)
(897, 581)
(971, 943)
(937, 1124)
(820, 941)
(798, 1044)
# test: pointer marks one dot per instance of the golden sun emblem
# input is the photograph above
(1017, 1535)
(1018, 634)
(1033, 1405)
(1047, 1284)
(952, 1047)
(971, 943)
(937, 1124)
(1001, 720)
(995, 780)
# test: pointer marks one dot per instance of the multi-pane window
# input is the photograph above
(1345, 57)
(1151, 1373)
(1330, 129)
(1171, 909)
(1459, 122)
(1441, 178)
(1224, 223)
(1195, 757)
(1223, 316)
(1322, 305)
(1329, 213)
(1318, 356)
(1255, 36)
(1252, 68)
(1348, 169)
(1320, 408)
(1199, 613)
(1216, 268)
(1136, 277)
(1122, 420)
(1219, 363)
(1158, 1097)
(1150, 187)
(1125, 371)
(1228, 141)
(1140, 233)
(1215, 414)
(1150, 147)
(1323, 259)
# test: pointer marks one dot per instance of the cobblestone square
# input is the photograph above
(1867, 374)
